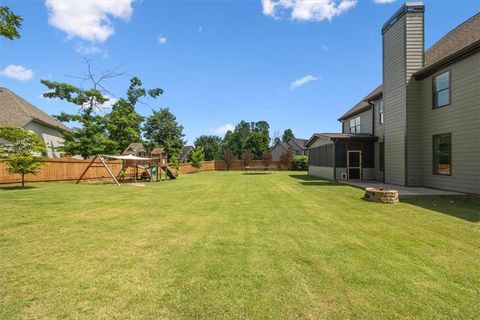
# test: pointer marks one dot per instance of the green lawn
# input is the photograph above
(227, 245)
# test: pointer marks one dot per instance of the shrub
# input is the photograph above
(266, 157)
(175, 164)
(286, 159)
(247, 157)
(228, 157)
(197, 156)
(300, 163)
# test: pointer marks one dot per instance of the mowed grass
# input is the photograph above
(224, 245)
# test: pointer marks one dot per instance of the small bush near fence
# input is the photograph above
(300, 163)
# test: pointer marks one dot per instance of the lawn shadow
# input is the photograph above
(257, 173)
(9, 188)
(305, 177)
(462, 207)
(321, 183)
(313, 181)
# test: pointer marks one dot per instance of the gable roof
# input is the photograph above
(184, 152)
(299, 142)
(17, 112)
(282, 144)
(292, 143)
(463, 39)
(134, 148)
(363, 105)
(157, 151)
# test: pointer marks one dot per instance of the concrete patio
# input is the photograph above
(402, 191)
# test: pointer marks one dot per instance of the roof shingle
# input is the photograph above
(15, 111)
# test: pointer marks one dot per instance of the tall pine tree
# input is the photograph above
(123, 122)
(162, 130)
(91, 137)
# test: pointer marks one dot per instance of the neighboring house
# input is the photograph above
(183, 157)
(136, 149)
(294, 145)
(421, 127)
(16, 112)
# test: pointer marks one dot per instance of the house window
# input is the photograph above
(442, 154)
(441, 90)
(355, 125)
(381, 111)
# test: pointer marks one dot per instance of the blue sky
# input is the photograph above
(219, 62)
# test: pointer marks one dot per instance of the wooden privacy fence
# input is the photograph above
(220, 165)
(64, 169)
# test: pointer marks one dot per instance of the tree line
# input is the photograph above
(247, 141)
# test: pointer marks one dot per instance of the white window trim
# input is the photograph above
(357, 125)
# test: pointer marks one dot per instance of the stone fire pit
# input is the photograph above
(381, 195)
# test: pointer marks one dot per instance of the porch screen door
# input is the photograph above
(354, 165)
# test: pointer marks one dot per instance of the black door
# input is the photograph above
(354, 165)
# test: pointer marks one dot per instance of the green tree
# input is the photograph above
(197, 157)
(287, 135)
(123, 122)
(18, 148)
(9, 23)
(257, 143)
(212, 145)
(248, 136)
(239, 137)
(91, 138)
(162, 129)
(261, 127)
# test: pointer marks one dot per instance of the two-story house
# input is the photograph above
(421, 127)
(16, 112)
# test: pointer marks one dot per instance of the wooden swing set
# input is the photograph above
(151, 167)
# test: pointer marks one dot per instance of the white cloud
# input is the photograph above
(307, 10)
(87, 49)
(162, 40)
(91, 50)
(109, 104)
(300, 82)
(383, 1)
(224, 128)
(87, 19)
(102, 106)
(17, 72)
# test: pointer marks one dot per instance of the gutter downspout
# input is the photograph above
(373, 115)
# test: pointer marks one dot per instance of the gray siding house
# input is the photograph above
(294, 145)
(183, 156)
(16, 112)
(421, 127)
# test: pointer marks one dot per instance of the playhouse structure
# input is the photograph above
(138, 164)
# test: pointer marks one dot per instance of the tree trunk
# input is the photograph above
(23, 180)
